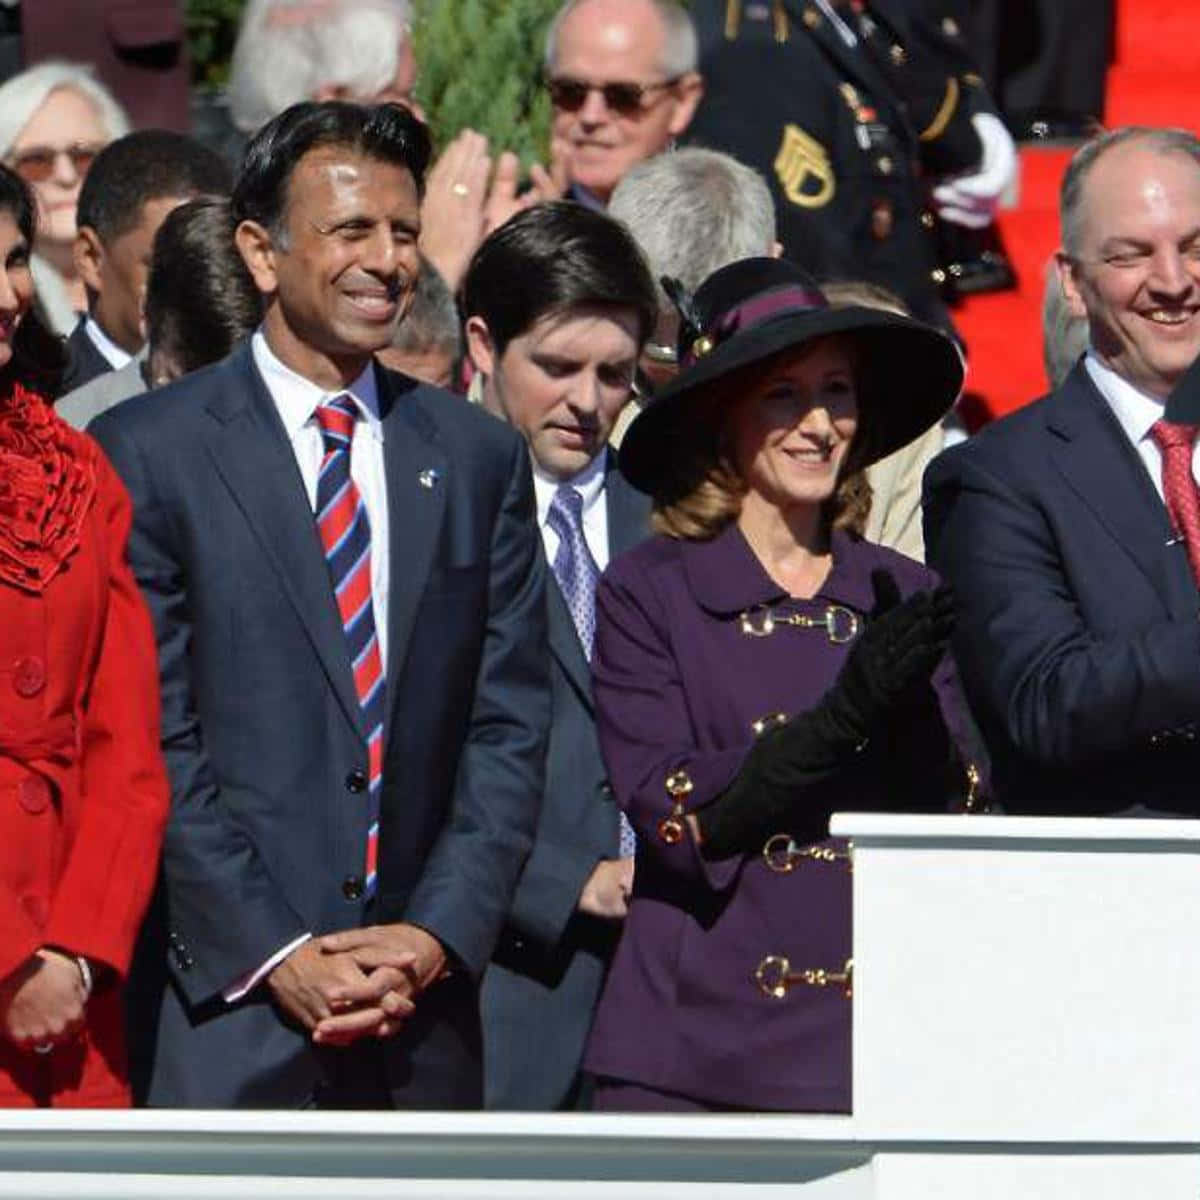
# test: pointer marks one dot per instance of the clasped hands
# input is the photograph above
(357, 983)
(43, 1002)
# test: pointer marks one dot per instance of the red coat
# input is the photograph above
(83, 788)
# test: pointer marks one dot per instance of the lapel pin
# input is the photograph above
(428, 478)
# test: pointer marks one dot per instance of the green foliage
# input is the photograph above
(212, 27)
(480, 65)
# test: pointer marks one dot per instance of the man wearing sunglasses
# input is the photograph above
(622, 80)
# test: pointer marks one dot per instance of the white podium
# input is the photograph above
(1026, 979)
(1026, 1024)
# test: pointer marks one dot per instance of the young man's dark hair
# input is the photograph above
(200, 299)
(388, 132)
(564, 255)
(150, 164)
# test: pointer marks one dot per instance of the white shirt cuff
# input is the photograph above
(247, 983)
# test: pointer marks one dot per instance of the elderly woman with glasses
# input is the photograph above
(54, 119)
(757, 667)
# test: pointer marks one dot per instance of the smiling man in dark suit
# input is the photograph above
(557, 358)
(1071, 529)
(349, 598)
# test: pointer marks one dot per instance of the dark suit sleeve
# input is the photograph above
(1063, 695)
(223, 909)
(464, 891)
(548, 892)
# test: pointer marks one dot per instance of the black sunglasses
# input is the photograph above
(625, 99)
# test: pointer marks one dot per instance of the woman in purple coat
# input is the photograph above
(757, 667)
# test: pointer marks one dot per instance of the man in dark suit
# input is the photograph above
(127, 193)
(557, 358)
(350, 604)
(1071, 529)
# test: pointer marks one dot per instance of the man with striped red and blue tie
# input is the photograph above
(556, 359)
(349, 597)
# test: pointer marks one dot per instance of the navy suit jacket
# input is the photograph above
(540, 993)
(263, 732)
(1078, 639)
(84, 361)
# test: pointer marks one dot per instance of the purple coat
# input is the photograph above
(679, 685)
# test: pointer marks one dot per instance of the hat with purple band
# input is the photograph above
(907, 374)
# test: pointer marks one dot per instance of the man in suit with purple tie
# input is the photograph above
(557, 358)
(349, 598)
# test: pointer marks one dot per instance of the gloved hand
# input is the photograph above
(784, 782)
(972, 199)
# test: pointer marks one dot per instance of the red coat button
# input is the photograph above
(34, 794)
(29, 676)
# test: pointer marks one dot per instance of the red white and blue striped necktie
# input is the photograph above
(346, 536)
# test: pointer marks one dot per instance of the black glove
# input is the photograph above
(785, 780)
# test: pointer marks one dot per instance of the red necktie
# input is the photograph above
(346, 537)
(1179, 486)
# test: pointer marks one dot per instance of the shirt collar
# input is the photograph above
(589, 483)
(1135, 411)
(114, 354)
(297, 398)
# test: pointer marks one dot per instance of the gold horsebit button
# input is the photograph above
(775, 977)
(841, 624)
(679, 786)
(783, 856)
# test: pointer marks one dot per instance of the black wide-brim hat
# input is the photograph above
(907, 378)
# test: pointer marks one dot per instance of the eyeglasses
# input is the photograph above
(624, 99)
(36, 164)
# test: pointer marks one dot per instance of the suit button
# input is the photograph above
(356, 781)
(29, 676)
(34, 794)
(352, 887)
(606, 790)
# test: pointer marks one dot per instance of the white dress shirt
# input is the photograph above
(589, 483)
(296, 399)
(113, 354)
(1136, 412)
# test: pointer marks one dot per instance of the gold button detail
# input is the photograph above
(811, 18)
(950, 27)
(885, 165)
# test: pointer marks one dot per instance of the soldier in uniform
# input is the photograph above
(852, 110)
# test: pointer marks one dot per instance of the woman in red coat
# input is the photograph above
(83, 789)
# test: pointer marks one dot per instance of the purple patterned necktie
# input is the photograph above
(576, 572)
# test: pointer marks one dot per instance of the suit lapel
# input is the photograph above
(628, 511)
(1095, 458)
(417, 482)
(252, 455)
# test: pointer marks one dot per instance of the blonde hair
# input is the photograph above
(704, 491)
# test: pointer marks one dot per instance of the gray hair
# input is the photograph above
(23, 94)
(1064, 334)
(432, 323)
(288, 49)
(1157, 140)
(681, 47)
(694, 211)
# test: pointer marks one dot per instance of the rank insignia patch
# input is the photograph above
(804, 170)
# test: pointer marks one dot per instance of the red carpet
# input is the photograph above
(1152, 82)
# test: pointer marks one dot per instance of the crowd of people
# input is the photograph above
(441, 611)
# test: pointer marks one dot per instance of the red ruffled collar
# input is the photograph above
(47, 483)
